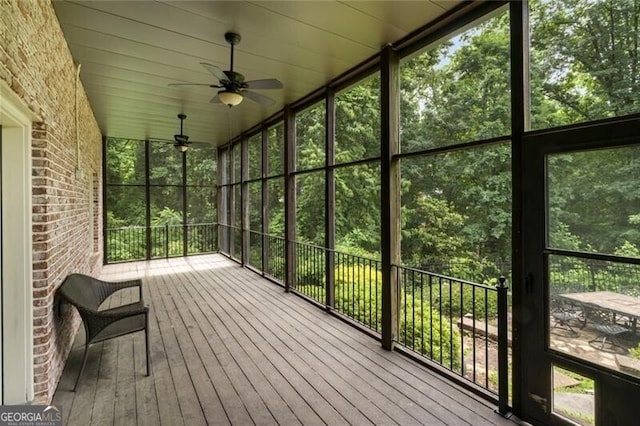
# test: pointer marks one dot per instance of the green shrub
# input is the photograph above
(424, 330)
(310, 270)
(358, 294)
(635, 352)
(449, 300)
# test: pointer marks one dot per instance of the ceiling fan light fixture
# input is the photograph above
(181, 147)
(230, 98)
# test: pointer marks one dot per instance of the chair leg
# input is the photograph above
(567, 324)
(602, 340)
(146, 338)
(84, 363)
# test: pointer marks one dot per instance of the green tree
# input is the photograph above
(457, 205)
(357, 187)
(585, 62)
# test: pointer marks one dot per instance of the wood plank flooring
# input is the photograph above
(229, 347)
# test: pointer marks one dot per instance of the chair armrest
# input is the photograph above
(124, 311)
(121, 285)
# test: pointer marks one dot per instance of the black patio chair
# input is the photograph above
(87, 294)
(609, 331)
(567, 315)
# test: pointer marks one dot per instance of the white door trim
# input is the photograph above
(17, 276)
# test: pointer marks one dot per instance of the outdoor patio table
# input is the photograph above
(616, 303)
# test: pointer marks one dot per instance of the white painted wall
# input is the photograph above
(16, 272)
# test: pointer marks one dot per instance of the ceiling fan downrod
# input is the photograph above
(181, 117)
(232, 39)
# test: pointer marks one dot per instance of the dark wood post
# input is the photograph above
(231, 204)
(265, 199)
(330, 198)
(106, 249)
(147, 199)
(390, 192)
(244, 202)
(185, 206)
(220, 210)
(289, 198)
(520, 122)
(166, 240)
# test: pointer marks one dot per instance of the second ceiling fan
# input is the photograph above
(234, 87)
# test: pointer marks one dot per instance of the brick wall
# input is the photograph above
(36, 64)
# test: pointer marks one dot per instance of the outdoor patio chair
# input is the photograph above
(608, 330)
(567, 315)
(87, 294)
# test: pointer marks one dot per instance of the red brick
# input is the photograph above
(61, 204)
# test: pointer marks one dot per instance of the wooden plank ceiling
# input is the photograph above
(130, 51)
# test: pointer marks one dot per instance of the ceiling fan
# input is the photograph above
(181, 140)
(234, 87)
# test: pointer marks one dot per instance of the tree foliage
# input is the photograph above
(456, 194)
(127, 204)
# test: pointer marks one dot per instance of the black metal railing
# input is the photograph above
(274, 247)
(202, 238)
(167, 241)
(275, 262)
(310, 278)
(125, 244)
(267, 254)
(358, 289)
(236, 249)
(483, 271)
(224, 244)
(458, 324)
(139, 242)
(255, 249)
(231, 240)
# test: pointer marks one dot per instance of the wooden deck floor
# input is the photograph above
(229, 347)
